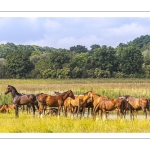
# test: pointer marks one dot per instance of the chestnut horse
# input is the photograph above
(135, 104)
(53, 101)
(4, 108)
(106, 105)
(21, 99)
(10, 107)
(79, 104)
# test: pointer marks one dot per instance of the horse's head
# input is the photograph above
(71, 94)
(90, 94)
(8, 89)
(57, 93)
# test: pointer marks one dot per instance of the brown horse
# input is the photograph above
(77, 105)
(53, 101)
(10, 107)
(20, 99)
(4, 108)
(52, 112)
(106, 105)
(135, 104)
(89, 106)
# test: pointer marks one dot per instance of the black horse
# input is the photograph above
(21, 99)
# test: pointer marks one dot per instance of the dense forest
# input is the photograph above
(127, 60)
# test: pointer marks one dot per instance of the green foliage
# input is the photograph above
(18, 64)
(2, 68)
(130, 60)
(31, 61)
(78, 49)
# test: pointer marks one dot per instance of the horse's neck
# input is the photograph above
(14, 93)
(65, 96)
(86, 97)
(95, 96)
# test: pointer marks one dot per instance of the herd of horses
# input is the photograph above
(70, 104)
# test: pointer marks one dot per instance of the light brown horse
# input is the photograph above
(78, 105)
(135, 104)
(10, 107)
(106, 105)
(4, 108)
(53, 101)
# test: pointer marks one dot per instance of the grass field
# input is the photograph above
(112, 88)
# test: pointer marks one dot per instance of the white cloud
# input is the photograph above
(51, 25)
(127, 29)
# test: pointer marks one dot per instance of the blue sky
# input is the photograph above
(64, 32)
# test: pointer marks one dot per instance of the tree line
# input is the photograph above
(130, 60)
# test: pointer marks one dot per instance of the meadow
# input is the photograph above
(112, 88)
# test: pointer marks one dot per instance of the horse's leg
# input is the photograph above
(88, 113)
(59, 110)
(91, 111)
(65, 111)
(41, 111)
(83, 113)
(134, 114)
(131, 111)
(145, 112)
(33, 109)
(16, 111)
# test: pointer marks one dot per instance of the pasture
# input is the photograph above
(112, 88)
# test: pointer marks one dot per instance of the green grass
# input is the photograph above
(26, 123)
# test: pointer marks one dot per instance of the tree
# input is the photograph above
(94, 46)
(58, 59)
(78, 49)
(2, 68)
(130, 60)
(104, 58)
(18, 64)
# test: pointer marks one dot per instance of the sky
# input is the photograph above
(65, 32)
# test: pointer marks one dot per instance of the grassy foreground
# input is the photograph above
(28, 124)
(112, 88)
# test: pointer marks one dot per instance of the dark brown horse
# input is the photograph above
(19, 99)
(135, 104)
(53, 101)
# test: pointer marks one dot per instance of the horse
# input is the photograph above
(21, 99)
(10, 107)
(106, 105)
(77, 105)
(52, 112)
(135, 104)
(4, 108)
(89, 106)
(53, 101)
